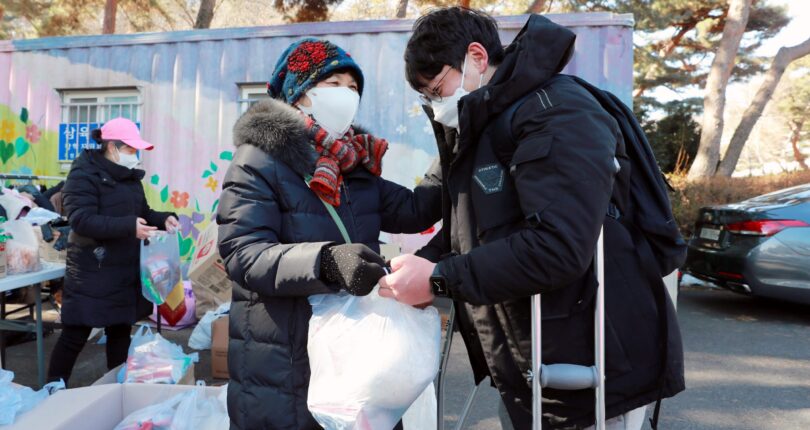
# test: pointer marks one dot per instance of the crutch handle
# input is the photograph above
(568, 376)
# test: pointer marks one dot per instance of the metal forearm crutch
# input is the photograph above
(571, 376)
(448, 341)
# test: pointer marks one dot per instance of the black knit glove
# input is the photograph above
(355, 267)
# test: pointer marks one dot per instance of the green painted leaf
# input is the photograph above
(21, 146)
(197, 205)
(226, 155)
(155, 180)
(164, 194)
(6, 151)
(207, 173)
(24, 115)
(213, 167)
(214, 207)
(186, 246)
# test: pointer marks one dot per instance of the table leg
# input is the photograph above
(40, 345)
(2, 333)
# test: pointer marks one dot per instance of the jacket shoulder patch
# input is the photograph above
(490, 178)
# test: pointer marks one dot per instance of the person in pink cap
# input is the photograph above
(105, 203)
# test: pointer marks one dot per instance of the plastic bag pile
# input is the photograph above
(371, 358)
(16, 400)
(154, 360)
(190, 410)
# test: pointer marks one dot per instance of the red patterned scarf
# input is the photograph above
(339, 156)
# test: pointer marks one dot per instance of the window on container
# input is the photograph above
(249, 94)
(84, 110)
(99, 106)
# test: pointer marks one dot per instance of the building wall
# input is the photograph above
(188, 84)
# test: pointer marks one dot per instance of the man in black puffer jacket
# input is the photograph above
(523, 217)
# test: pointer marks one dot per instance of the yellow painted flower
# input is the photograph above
(7, 131)
(212, 184)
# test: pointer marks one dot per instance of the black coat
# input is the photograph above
(525, 220)
(103, 201)
(272, 229)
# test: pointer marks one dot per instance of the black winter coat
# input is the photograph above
(525, 220)
(102, 284)
(272, 229)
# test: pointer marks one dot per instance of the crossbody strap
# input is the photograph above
(332, 212)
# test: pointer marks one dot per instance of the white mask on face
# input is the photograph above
(130, 161)
(446, 111)
(333, 108)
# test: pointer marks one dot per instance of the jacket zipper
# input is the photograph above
(349, 204)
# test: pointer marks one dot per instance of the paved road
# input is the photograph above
(747, 364)
(747, 360)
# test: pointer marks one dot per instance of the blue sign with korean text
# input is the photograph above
(74, 138)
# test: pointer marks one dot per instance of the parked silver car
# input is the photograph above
(760, 246)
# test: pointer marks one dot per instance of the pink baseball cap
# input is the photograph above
(126, 131)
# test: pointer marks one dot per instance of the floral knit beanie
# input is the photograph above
(307, 62)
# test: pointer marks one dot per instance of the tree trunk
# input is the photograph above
(206, 14)
(784, 57)
(402, 9)
(714, 101)
(110, 9)
(795, 136)
(537, 6)
(464, 3)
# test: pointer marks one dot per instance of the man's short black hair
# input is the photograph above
(441, 37)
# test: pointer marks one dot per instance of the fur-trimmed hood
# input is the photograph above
(279, 130)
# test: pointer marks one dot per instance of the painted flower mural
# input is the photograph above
(179, 199)
(32, 133)
(212, 184)
(7, 130)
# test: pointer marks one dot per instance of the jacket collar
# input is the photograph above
(107, 169)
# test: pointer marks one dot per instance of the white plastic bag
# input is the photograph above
(424, 412)
(155, 360)
(22, 250)
(371, 357)
(190, 410)
(157, 416)
(17, 399)
(160, 266)
(201, 336)
(40, 216)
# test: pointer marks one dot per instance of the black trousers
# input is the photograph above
(72, 341)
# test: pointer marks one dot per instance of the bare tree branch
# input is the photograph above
(781, 61)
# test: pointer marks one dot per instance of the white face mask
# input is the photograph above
(333, 108)
(446, 111)
(130, 161)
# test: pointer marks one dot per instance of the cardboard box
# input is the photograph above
(219, 348)
(100, 407)
(111, 377)
(207, 273)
